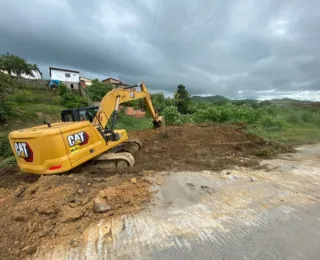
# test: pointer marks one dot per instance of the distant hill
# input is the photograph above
(210, 99)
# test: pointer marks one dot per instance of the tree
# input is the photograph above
(182, 99)
(17, 65)
(158, 101)
(98, 90)
(5, 87)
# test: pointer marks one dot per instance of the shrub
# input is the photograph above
(172, 116)
(98, 90)
(63, 90)
(5, 84)
(4, 111)
(5, 148)
(271, 122)
(73, 100)
(187, 119)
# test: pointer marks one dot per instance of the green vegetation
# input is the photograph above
(70, 99)
(98, 90)
(131, 123)
(8, 161)
(182, 99)
(24, 106)
(5, 149)
(291, 125)
(17, 65)
(217, 100)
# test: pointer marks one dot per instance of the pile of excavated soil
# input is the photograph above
(196, 148)
(41, 211)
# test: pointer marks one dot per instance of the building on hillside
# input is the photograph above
(36, 74)
(68, 77)
(85, 82)
(116, 82)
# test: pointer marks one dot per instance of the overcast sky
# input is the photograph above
(236, 48)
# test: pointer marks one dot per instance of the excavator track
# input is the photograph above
(133, 145)
(109, 161)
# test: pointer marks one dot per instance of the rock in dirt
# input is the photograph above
(19, 216)
(148, 172)
(29, 250)
(80, 191)
(148, 179)
(74, 242)
(207, 189)
(159, 180)
(19, 191)
(70, 214)
(100, 205)
(133, 180)
(47, 209)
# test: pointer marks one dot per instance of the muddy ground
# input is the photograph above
(41, 211)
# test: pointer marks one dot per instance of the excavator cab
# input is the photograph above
(79, 114)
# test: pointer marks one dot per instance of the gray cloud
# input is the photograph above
(249, 47)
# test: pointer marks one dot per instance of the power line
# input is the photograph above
(198, 7)
(208, 20)
(155, 18)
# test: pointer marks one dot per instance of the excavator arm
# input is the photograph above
(111, 101)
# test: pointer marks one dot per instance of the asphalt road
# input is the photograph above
(294, 238)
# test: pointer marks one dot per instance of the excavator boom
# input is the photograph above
(111, 101)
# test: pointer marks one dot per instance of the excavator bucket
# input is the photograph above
(159, 122)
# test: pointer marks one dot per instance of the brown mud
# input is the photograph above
(41, 211)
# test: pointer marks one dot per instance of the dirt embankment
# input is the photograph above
(40, 211)
(201, 147)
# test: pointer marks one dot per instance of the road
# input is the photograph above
(270, 213)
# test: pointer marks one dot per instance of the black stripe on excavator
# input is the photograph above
(102, 134)
(109, 135)
(133, 86)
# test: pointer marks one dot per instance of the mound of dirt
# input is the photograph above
(196, 148)
(41, 211)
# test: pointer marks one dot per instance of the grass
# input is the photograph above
(291, 134)
(130, 123)
(7, 162)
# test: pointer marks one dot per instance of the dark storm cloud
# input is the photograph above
(249, 48)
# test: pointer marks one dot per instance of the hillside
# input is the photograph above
(26, 104)
(217, 99)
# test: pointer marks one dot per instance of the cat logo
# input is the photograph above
(24, 151)
(81, 138)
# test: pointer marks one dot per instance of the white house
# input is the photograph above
(70, 78)
(36, 74)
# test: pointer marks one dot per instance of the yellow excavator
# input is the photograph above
(60, 147)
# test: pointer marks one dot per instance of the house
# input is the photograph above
(116, 82)
(68, 77)
(85, 82)
(36, 74)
